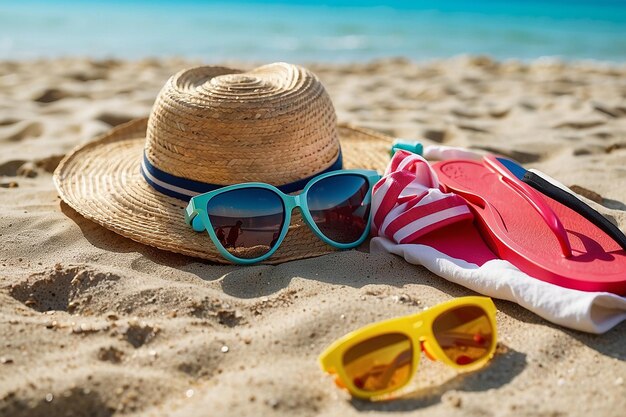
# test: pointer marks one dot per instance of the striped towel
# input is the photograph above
(407, 201)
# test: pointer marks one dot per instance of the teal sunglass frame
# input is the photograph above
(197, 217)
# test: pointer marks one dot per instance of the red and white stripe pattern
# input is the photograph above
(407, 201)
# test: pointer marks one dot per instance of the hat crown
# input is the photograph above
(218, 125)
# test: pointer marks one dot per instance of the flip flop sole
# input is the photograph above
(516, 232)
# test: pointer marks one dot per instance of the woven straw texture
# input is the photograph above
(244, 124)
(102, 180)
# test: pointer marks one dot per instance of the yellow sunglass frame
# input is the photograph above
(418, 329)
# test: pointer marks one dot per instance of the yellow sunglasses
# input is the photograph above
(382, 357)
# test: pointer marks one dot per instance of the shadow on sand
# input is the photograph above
(505, 366)
(340, 268)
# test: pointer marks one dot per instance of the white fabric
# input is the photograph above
(592, 312)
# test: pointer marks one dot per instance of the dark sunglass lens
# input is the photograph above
(340, 206)
(248, 221)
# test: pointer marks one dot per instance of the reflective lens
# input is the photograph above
(247, 222)
(340, 206)
(380, 363)
(464, 334)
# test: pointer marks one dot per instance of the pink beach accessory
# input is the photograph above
(448, 243)
(539, 235)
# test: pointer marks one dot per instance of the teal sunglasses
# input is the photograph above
(248, 222)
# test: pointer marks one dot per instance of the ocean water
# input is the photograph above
(301, 31)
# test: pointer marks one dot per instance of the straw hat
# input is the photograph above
(217, 126)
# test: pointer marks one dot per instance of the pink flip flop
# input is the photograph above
(540, 236)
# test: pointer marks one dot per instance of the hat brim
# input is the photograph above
(102, 181)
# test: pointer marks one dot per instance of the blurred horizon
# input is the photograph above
(299, 31)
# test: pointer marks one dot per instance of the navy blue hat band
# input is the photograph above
(184, 189)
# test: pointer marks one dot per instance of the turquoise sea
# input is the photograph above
(301, 31)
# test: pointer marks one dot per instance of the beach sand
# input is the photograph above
(93, 324)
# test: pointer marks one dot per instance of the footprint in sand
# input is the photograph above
(602, 135)
(50, 163)
(114, 119)
(520, 156)
(87, 76)
(473, 128)
(580, 123)
(21, 168)
(10, 168)
(466, 113)
(74, 401)
(615, 147)
(19, 131)
(8, 121)
(498, 112)
(60, 289)
(50, 95)
(608, 110)
(436, 135)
